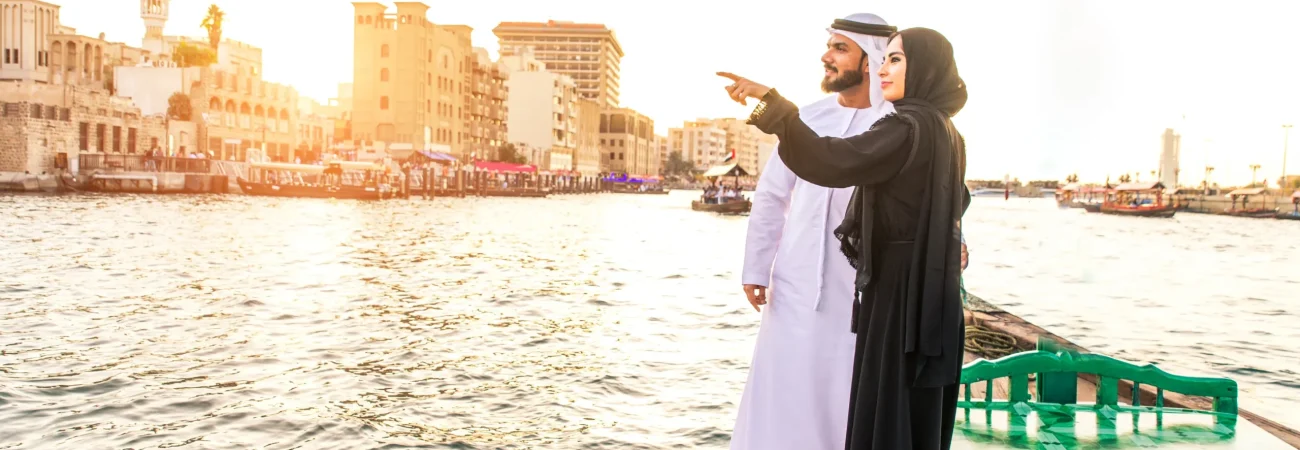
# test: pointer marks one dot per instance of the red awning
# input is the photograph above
(494, 166)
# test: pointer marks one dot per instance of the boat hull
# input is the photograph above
(1252, 213)
(723, 208)
(1164, 212)
(341, 192)
(663, 192)
(524, 193)
(1091, 207)
(1288, 216)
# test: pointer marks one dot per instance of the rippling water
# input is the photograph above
(599, 321)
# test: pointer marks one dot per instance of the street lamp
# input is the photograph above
(1208, 171)
(1286, 130)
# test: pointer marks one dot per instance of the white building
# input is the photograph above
(701, 142)
(1172, 144)
(543, 111)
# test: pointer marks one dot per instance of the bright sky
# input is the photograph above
(1056, 87)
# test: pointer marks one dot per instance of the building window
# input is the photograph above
(383, 74)
(117, 139)
(383, 51)
(100, 130)
(130, 140)
(361, 20)
(383, 102)
(446, 62)
(428, 106)
(84, 135)
(369, 20)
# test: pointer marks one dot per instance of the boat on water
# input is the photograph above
(717, 202)
(623, 183)
(1245, 210)
(1294, 214)
(335, 179)
(1089, 198)
(1065, 196)
(990, 192)
(1139, 200)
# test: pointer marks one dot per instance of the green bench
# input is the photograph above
(1062, 422)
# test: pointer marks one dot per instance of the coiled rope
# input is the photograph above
(980, 340)
(989, 344)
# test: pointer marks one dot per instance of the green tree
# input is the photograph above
(178, 107)
(187, 55)
(212, 22)
(508, 153)
(677, 165)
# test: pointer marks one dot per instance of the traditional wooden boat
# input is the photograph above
(1139, 200)
(336, 179)
(516, 192)
(738, 205)
(622, 183)
(1066, 196)
(1091, 207)
(1295, 205)
(1244, 195)
(732, 207)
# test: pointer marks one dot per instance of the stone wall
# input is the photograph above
(37, 122)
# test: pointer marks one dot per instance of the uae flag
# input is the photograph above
(730, 156)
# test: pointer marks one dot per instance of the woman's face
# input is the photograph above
(893, 73)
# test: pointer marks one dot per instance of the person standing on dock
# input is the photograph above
(797, 394)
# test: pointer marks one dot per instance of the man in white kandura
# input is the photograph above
(797, 395)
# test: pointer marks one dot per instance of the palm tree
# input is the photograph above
(212, 23)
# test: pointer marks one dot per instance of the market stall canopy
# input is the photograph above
(301, 168)
(729, 170)
(1133, 187)
(1248, 191)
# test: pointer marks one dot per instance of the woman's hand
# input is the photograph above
(743, 88)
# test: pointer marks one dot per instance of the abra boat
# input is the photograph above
(736, 205)
(336, 179)
(622, 183)
(1139, 200)
(1245, 211)
(1295, 212)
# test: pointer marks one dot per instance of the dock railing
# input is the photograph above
(141, 163)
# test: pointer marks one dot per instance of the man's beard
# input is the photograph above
(847, 79)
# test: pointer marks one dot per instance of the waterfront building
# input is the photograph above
(589, 54)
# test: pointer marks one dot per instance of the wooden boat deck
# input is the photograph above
(1028, 334)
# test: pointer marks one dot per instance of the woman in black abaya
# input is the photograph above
(901, 233)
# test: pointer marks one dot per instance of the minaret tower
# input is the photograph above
(154, 13)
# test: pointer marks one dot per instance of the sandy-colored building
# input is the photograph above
(587, 53)
(661, 148)
(744, 139)
(411, 78)
(55, 97)
(487, 107)
(701, 142)
(25, 29)
(586, 156)
(698, 141)
(627, 138)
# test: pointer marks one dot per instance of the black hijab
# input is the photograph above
(933, 93)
